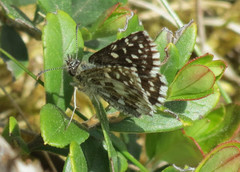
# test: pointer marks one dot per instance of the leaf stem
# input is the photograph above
(172, 13)
(101, 114)
(123, 150)
(224, 94)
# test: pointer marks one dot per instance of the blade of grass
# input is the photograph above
(21, 66)
(123, 150)
(177, 20)
(101, 114)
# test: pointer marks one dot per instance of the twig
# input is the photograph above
(17, 108)
(201, 28)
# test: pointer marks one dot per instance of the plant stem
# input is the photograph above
(224, 94)
(172, 13)
(101, 114)
(21, 66)
(178, 21)
(123, 150)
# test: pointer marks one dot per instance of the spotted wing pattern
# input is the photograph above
(125, 73)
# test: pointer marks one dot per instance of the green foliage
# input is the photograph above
(12, 134)
(192, 94)
(14, 45)
(54, 128)
(59, 40)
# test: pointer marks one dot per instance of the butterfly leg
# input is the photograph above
(74, 105)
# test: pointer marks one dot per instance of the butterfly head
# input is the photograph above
(72, 65)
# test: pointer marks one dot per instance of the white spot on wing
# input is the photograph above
(124, 50)
(148, 94)
(152, 44)
(135, 38)
(163, 79)
(150, 83)
(156, 62)
(152, 89)
(134, 56)
(133, 69)
(161, 99)
(163, 90)
(156, 55)
(114, 55)
(128, 60)
(114, 46)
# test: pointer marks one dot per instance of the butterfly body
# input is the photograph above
(125, 74)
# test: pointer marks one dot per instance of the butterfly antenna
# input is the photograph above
(77, 39)
(74, 108)
(47, 70)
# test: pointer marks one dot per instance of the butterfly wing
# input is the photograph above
(137, 52)
(119, 86)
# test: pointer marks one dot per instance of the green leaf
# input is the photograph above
(162, 122)
(59, 40)
(67, 165)
(185, 43)
(109, 23)
(170, 169)
(217, 66)
(54, 5)
(133, 26)
(121, 147)
(184, 39)
(162, 40)
(112, 154)
(172, 66)
(95, 154)
(162, 147)
(194, 109)
(53, 128)
(12, 134)
(18, 19)
(14, 45)
(78, 161)
(123, 163)
(13, 127)
(224, 157)
(88, 12)
(37, 144)
(83, 12)
(192, 82)
(218, 126)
